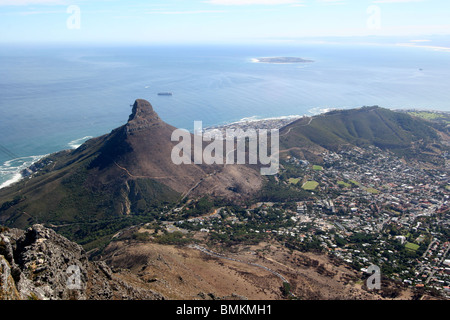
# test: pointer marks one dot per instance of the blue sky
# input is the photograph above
(221, 21)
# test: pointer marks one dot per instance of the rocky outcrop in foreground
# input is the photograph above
(40, 264)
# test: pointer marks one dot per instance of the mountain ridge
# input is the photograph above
(126, 171)
(114, 196)
(127, 175)
(389, 130)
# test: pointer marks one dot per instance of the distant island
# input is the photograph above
(281, 60)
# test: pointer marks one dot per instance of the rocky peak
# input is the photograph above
(40, 264)
(142, 117)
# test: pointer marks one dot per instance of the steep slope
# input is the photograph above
(398, 132)
(128, 172)
(123, 177)
(254, 272)
(40, 264)
(141, 149)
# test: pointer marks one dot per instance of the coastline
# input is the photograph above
(256, 123)
(281, 60)
(22, 170)
(15, 173)
(244, 125)
(16, 178)
(430, 47)
(18, 172)
(74, 144)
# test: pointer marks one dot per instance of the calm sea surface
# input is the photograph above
(54, 98)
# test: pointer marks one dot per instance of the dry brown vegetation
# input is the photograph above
(184, 273)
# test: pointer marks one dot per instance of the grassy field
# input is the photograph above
(356, 183)
(345, 184)
(411, 246)
(373, 190)
(310, 185)
(294, 180)
(317, 168)
(426, 115)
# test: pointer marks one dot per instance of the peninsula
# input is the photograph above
(281, 60)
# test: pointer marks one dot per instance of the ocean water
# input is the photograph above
(54, 98)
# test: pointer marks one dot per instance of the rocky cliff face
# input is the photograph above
(142, 117)
(40, 264)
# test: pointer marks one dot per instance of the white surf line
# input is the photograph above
(16, 178)
(74, 144)
(16, 170)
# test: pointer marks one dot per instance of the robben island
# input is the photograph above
(235, 141)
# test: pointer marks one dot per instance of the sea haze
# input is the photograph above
(54, 98)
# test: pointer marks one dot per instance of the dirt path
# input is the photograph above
(303, 125)
(218, 255)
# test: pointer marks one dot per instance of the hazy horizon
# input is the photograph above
(218, 21)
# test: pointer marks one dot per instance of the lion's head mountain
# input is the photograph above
(108, 194)
(129, 171)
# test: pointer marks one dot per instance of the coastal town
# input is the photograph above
(362, 205)
(244, 125)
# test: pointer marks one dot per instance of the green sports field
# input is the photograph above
(310, 185)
